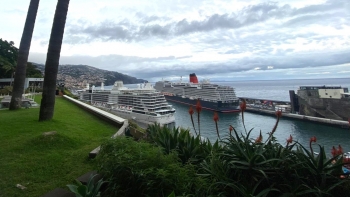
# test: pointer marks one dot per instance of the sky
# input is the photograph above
(218, 40)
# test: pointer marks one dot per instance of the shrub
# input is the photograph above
(141, 169)
(188, 147)
(91, 189)
(69, 93)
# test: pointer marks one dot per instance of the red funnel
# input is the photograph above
(193, 78)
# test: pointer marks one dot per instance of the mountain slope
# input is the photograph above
(79, 75)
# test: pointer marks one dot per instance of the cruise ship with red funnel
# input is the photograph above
(212, 97)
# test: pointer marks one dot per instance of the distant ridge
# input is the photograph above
(79, 75)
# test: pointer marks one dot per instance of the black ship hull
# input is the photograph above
(218, 107)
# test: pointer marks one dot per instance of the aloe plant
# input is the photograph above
(189, 148)
(89, 190)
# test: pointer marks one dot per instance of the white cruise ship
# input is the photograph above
(143, 104)
(212, 96)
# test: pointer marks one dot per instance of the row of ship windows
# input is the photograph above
(133, 103)
(152, 114)
(204, 93)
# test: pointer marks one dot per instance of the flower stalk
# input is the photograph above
(312, 139)
(199, 109)
(190, 111)
(259, 138)
(289, 140)
(278, 115)
(230, 130)
(216, 119)
(243, 107)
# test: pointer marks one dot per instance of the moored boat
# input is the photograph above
(143, 104)
(212, 97)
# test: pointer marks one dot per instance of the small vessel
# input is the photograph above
(143, 104)
(212, 97)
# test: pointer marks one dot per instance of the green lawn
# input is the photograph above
(44, 163)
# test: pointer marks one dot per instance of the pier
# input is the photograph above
(338, 123)
(263, 100)
(269, 107)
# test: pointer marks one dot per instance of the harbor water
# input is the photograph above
(301, 131)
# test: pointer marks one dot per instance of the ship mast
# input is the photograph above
(102, 83)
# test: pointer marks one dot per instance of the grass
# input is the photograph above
(44, 163)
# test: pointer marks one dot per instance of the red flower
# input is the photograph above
(313, 139)
(230, 128)
(190, 111)
(216, 117)
(334, 151)
(243, 105)
(278, 113)
(340, 150)
(289, 140)
(346, 160)
(259, 138)
(198, 106)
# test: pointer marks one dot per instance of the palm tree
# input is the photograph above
(20, 73)
(52, 61)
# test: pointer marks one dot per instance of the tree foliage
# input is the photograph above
(33, 71)
(8, 58)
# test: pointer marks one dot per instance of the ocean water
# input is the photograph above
(279, 89)
(301, 131)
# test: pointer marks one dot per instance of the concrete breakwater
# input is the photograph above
(338, 123)
(268, 107)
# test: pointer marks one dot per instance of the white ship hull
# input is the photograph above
(163, 120)
(143, 104)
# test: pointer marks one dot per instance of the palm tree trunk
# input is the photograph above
(52, 61)
(20, 73)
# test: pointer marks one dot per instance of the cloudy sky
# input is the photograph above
(221, 39)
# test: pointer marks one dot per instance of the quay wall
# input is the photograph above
(258, 99)
(115, 120)
(338, 123)
(333, 108)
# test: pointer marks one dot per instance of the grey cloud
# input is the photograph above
(246, 64)
(125, 31)
(105, 59)
(330, 5)
(324, 18)
(148, 19)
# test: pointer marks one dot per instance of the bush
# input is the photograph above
(68, 93)
(189, 148)
(6, 90)
(141, 169)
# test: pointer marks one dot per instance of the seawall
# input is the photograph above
(338, 123)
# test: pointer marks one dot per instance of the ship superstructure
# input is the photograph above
(212, 96)
(143, 104)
